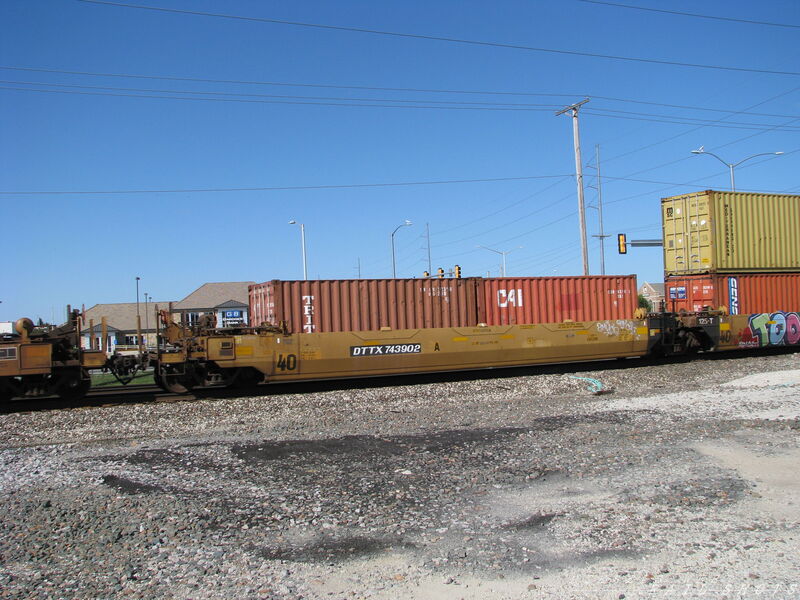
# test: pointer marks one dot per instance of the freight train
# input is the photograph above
(745, 264)
(203, 355)
(43, 362)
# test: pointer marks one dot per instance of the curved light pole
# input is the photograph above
(303, 243)
(404, 224)
(501, 253)
(732, 166)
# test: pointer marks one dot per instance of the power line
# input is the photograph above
(690, 121)
(277, 83)
(696, 15)
(440, 38)
(611, 112)
(370, 88)
(196, 96)
(505, 208)
(517, 219)
(277, 188)
(421, 106)
(543, 107)
(699, 127)
(683, 106)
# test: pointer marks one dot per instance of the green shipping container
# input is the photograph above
(731, 232)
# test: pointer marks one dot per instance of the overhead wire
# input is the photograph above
(544, 107)
(699, 127)
(438, 38)
(274, 188)
(695, 15)
(294, 102)
(195, 95)
(376, 88)
(404, 35)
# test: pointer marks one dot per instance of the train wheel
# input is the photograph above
(73, 387)
(174, 383)
(159, 380)
(6, 393)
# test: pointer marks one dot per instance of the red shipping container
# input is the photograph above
(366, 304)
(527, 300)
(739, 294)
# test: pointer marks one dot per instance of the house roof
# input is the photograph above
(213, 295)
(658, 288)
(232, 304)
(122, 316)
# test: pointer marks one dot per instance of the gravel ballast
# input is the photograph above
(679, 480)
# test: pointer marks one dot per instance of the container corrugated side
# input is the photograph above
(731, 232)
(334, 305)
(531, 300)
(740, 293)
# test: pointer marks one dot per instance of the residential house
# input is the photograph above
(122, 327)
(654, 292)
(228, 301)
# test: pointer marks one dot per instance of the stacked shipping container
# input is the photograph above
(736, 251)
(741, 293)
(522, 300)
(329, 305)
(373, 304)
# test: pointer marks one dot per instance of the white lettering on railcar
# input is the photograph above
(384, 349)
(308, 314)
(506, 298)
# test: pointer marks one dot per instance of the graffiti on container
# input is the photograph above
(308, 314)
(771, 329)
(617, 328)
(733, 294)
(506, 298)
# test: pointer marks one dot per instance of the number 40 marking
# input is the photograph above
(288, 362)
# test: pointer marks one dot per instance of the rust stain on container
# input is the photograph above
(727, 232)
(739, 294)
(518, 300)
(336, 305)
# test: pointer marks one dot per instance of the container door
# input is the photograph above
(687, 234)
(675, 253)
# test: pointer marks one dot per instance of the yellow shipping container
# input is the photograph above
(731, 232)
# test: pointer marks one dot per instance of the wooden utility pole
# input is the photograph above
(579, 177)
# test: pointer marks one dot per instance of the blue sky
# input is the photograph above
(175, 146)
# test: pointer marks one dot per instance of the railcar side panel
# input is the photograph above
(760, 330)
(374, 353)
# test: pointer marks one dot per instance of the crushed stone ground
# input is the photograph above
(680, 480)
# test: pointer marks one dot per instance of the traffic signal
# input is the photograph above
(457, 272)
(622, 243)
(426, 274)
(440, 272)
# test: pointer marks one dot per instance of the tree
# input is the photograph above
(645, 303)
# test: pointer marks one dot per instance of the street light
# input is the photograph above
(404, 224)
(303, 243)
(137, 296)
(501, 253)
(731, 166)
